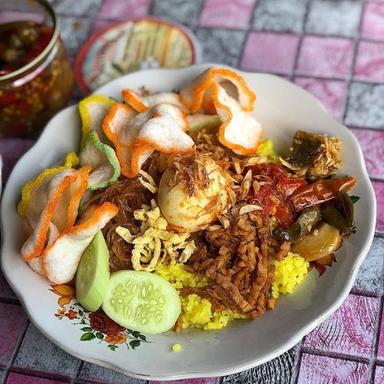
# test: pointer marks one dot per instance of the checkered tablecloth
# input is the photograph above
(332, 48)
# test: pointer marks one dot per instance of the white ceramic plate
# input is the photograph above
(282, 108)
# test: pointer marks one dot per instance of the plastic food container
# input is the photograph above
(36, 77)
(131, 45)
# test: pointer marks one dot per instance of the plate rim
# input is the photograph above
(220, 371)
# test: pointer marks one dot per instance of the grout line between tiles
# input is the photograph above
(9, 300)
(76, 376)
(200, 11)
(150, 7)
(376, 340)
(356, 43)
(358, 292)
(296, 364)
(40, 375)
(16, 349)
(336, 355)
(246, 34)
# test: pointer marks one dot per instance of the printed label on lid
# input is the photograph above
(133, 45)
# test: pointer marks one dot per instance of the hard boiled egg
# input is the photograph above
(193, 193)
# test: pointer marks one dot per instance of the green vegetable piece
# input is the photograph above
(200, 121)
(92, 276)
(306, 221)
(345, 205)
(355, 199)
(267, 149)
(341, 214)
(105, 166)
(142, 301)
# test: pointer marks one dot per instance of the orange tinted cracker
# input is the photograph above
(34, 245)
(164, 131)
(142, 103)
(136, 136)
(134, 100)
(239, 131)
(60, 259)
(192, 96)
(116, 121)
(78, 190)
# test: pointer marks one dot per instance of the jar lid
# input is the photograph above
(131, 45)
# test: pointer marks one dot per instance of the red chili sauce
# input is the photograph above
(274, 187)
(20, 43)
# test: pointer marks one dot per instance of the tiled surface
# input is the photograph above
(259, 57)
(91, 373)
(331, 17)
(370, 62)
(12, 323)
(372, 25)
(366, 105)
(37, 354)
(196, 381)
(226, 13)
(371, 142)
(280, 15)
(369, 280)
(279, 370)
(324, 370)
(332, 48)
(325, 57)
(378, 186)
(117, 9)
(379, 375)
(349, 331)
(18, 378)
(220, 45)
(331, 93)
(5, 290)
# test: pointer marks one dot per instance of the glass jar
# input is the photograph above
(33, 91)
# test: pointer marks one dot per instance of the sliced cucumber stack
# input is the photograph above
(141, 301)
(92, 276)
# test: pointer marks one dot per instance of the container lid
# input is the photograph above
(132, 45)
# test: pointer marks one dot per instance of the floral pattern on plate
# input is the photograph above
(97, 325)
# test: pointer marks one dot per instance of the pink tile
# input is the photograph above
(226, 13)
(350, 330)
(117, 9)
(11, 150)
(372, 25)
(325, 370)
(5, 289)
(259, 56)
(372, 144)
(12, 320)
(370, 62)
(380, 347)
(379, 190)
(330, 92)
(379, 375)
(190, 381)
(17, 378)
(325, 57)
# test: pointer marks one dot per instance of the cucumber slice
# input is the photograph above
(92, 276)
(142, 301)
